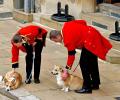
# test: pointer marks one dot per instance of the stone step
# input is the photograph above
(100, 20)
(116, 45)
(22, 16)
(113, 56)
(110, 10)
(47, 21)
(36, 17)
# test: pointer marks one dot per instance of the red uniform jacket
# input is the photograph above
(31, 32)
(76, 34)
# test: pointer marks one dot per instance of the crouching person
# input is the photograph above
(29, 39)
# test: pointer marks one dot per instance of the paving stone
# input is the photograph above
(61, 95)
(4, 97)
(30, 97)
(111, 88)
(7, 94)
(104, 98)
(20, 92)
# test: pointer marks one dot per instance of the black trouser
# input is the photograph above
(89, 68)
(37, 60)
(99, 1)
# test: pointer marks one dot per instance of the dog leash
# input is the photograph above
(29, 78)
(76, 67)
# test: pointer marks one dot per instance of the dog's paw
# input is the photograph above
(63, 89)
(66, 89)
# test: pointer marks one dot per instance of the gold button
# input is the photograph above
(89, 43)
(85, 41)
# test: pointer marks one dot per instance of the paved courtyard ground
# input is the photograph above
(54, 54)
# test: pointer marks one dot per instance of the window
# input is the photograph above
(1, 1)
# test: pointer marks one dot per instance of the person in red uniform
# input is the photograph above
(29, 39)
(77, 34)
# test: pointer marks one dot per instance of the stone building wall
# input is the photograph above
(8, 4)
(50, 6)
(75, 6)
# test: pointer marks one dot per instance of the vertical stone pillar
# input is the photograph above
(27, 6)
(88, 6)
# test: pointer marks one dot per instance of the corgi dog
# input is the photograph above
(12, 80)
(71, 83)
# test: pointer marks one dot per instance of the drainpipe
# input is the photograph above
(27, 6)
(32, 6)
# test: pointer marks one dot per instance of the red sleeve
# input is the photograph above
(70, 60)
(15, 54)
(44, 34)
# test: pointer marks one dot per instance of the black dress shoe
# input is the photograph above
(27, 81)
(95, 87)
(84, 90)
(37, 81)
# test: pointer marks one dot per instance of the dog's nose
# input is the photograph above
(7, 89)
(51, 72)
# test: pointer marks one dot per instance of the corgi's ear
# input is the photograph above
(61, 70)
(55, 65)
(5, 80)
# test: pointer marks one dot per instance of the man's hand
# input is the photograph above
(65, 74)
(68, 67)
